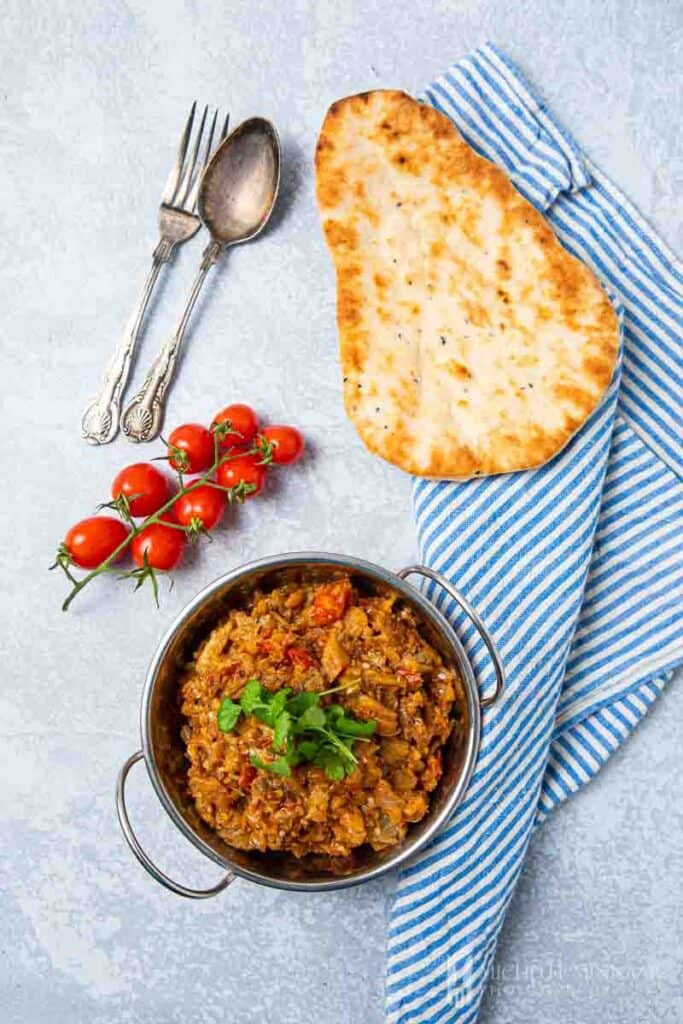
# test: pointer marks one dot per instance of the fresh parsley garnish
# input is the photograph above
(265, 705)
(304, 700)
(337, 715)
(312, 718)
(280, 766)
(331, 763)
(251, 696)
(282, 730)
(303, 730)
(228, 714)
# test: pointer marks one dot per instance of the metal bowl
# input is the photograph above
(164, 752)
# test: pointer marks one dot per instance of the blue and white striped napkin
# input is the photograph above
(577, 568)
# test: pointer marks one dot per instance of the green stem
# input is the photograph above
(339, 689)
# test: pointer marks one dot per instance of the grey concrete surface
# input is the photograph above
(93, 96)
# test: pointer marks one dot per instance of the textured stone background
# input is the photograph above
(93, 97)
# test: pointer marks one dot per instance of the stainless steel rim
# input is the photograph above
(276, 562)
(146, 861)
(430, 574)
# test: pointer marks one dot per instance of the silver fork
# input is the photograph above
(178, 222)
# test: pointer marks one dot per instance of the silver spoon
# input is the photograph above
(236, 198)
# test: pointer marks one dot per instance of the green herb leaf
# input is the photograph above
(307, 749)
(251, 696)
(331, 763)
(312, 718)
(228, 714)
(341, 721)
(345, 752)
(327, 734)
(354, 727)
(280, 766)
(278, 701)
(301, 702)
(282, 730)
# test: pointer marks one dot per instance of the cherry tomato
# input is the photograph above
(94, 539)
(196, 442)
(299, 656)
(330, 603)
(244, 469)
(288, 444)
(163, 546)
(243, 420)
(204, 503)
(149, 485)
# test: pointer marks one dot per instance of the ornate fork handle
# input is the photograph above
(144, 414)
(100, 421)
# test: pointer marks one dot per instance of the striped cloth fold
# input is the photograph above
(577, 568)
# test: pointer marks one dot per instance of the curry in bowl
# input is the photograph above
(314, 717)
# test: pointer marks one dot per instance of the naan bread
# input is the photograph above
(471, 341)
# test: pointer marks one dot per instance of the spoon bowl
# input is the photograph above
(241, 182)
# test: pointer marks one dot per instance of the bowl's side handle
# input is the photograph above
(145, 860)
(423, 570)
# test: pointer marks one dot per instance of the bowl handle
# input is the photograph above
(147, 863)
(423, 570)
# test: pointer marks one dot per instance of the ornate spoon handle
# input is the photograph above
(100, 421)
(144, 414)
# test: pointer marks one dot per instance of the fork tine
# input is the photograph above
(226, 125)
(191, 202)
(174, 176)
(188, 175)
(209, 141)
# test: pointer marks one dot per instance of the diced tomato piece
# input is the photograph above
(330, 603)
(227, 672)
(247, 777)
(299, 656)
